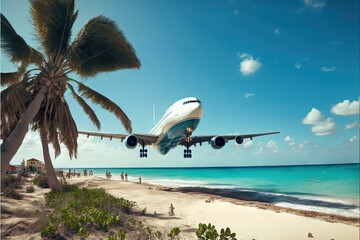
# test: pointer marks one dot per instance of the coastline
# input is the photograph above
(248, 219)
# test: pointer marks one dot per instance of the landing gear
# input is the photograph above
(187, 153)
(143, 151)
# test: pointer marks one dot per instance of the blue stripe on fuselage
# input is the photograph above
(175, 134)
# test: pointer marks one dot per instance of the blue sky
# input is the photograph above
(256, 65)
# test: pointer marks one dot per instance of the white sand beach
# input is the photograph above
(248, 220)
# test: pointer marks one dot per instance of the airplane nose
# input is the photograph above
(197, 111)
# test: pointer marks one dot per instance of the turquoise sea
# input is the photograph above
(324, 188)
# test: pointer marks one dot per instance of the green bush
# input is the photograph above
(10, 181)
(41, 180)
(209, 232)
(12, 193)
(78, 211)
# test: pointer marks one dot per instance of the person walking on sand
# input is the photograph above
(171, 210)
(126, 179)
(122, 176)
(140, 180)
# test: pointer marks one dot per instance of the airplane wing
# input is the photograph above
(200, 139)
(144, 139)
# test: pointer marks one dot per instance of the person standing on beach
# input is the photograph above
(122, 176)
(126, 177)
(140, 180)
(171, 210)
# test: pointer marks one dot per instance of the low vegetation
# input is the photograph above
(93, 212)
(9, 184)
(41, 180)
(209, 232)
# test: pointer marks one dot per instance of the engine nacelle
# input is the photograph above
(131, 141)
(239, 139)
(217, 142)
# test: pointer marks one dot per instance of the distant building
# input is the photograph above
(34, 165)
(14, 169)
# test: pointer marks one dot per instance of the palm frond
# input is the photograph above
(14, 101)
(100, 46)
(105, 103)
(87, 109)
(9, 78)
(59, 124)
(53, 21)
(16, 47)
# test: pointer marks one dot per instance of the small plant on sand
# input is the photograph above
(30, 189)
(41, 180)
(174, 233)
(12, 193)
(11, 181)
(209, 232)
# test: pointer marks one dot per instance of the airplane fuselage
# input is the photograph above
(179, 121)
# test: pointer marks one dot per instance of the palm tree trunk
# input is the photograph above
(50, 172)
(10, 145)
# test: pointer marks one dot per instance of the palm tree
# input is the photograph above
(36, 97)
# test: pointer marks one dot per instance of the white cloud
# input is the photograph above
(353, 139)
(351, 125)
(290, 141)
(313, 117)
(327, 69)
(324, 128)
(248, 65)
(298, 65)
(247, 95)
(277, 31)
(346, 108)
(273, 145)
(248, 144)
(315, 4)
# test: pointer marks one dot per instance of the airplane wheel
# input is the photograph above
(190, 155)
(185, 156)
(141, 155)
(145, 155)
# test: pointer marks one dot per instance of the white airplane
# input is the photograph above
(175, 128)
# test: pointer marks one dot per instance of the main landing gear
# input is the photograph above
(143, 151)
(187, 151)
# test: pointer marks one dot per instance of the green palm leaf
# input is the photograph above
(101, 47)
(16, 47)
(53, 21)
(105, 103)
(14, 101)
(9, 78)
(87, 109)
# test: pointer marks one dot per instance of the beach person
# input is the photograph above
(126, 177)
(122, 176)
(171, 210)
(140, 180)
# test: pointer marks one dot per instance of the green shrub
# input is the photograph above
(174, 232)
(209, 232)
(41, 180)
(30, 189)
(11, 181)
(12, 193)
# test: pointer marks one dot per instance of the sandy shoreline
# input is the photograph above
(248, 219)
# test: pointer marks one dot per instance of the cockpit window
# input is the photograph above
(191, 101)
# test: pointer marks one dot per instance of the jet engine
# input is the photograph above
(239, 139)
(217, 142)
(131, 141)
